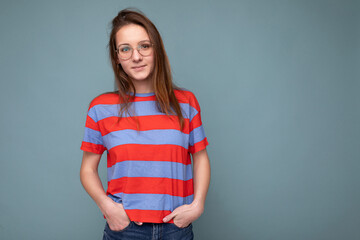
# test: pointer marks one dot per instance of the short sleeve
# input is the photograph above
(197, 137)
(92, 140)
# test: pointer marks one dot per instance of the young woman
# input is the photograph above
(150, 129)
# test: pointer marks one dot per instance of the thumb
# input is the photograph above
(169, 217)
(138, 223)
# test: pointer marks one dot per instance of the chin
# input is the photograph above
(140, 78)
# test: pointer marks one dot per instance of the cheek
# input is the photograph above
(124, 66)
(152, 62)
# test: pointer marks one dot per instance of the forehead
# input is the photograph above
(131, 34)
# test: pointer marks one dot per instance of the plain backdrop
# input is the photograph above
(278, 85)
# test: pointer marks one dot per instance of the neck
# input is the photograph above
(144, 86)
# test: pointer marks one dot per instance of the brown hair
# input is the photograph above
(161, 74)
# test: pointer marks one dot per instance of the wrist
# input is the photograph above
(198, 205)
(104, 204)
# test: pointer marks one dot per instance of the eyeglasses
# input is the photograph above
(125, 51)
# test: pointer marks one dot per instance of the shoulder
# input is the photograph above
(186, 96)
(104, 98)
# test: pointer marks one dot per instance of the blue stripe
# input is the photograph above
(156, 169)
(92, 136)
(160, 136)
(196, 135)
(115, 198)
(143, 108)
(145, 201)
(143, 94)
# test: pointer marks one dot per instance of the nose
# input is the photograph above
(136, 56)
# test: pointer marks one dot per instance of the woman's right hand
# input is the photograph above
(115, 215)
(89, 176)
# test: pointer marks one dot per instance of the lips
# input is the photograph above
(138, 67)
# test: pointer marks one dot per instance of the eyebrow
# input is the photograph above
(129, 43)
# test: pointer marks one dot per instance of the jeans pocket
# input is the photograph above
(188, 226)
(122, 230)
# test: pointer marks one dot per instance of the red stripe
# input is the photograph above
(152, 122)
(152, 216)
(108, 98)
(113, 98)
(90, 123)
(198, 146)
(148, 152)
(195, 122)
(187, 97)
(173, 187)
(91, 147)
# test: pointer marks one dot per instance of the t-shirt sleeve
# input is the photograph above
(197, 138)
(92, 140)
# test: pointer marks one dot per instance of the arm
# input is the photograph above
(186, 214)
(89, 177)
(201, 178)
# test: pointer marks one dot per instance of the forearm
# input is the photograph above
(92, 184)
(201, 177)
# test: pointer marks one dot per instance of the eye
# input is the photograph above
(145, 45)
(125, 49)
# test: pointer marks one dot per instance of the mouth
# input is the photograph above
(138, 67)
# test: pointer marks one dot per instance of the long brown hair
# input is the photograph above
(161, 75)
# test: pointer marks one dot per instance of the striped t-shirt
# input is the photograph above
(148, 168)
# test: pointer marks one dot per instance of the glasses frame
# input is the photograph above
(132, 49)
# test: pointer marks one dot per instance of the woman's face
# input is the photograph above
(137, 67)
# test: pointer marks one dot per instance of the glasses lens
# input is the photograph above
(125, 52)
(145, 49)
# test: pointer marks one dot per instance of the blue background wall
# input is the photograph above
(278, 84)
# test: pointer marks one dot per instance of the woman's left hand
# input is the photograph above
(185, 214)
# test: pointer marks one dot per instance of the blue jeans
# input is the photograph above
(149, 231)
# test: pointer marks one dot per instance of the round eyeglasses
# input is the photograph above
(125, 51)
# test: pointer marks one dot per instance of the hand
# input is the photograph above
(116, 216)
(185, 214)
